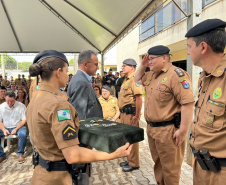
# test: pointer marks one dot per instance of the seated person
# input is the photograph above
(2, 94)
(21, 97)
(109, 104)
(12, 122)
(97, 91)
(13, 88)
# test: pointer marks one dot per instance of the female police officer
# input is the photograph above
(53, 124)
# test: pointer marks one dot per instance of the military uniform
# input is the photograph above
(165, 92)
(29, 83)
(127, 97)
(209, 129)
(49, 123)
(2, 100)
(18, 82)
(5, 83)
(109, 107)
(34, 88)
(98, 80)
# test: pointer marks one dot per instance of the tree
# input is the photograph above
(71, 62)
(24, 66)
(10, 62)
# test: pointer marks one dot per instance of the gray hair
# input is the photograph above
(10, 94)
(85, 56)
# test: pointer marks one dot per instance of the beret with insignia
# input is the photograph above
(106, 87)
(130, 62)
(206, 26)
(158, 50)
(48, 54)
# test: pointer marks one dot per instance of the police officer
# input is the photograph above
(53, 124)
(168, 96)
(109, 104)
(206, 45)
(130, 103)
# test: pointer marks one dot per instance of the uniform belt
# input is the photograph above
(160, 124)
(221, 161)
(52, 166)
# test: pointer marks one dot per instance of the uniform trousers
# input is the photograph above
(22, 134)
(204, 177)
(42, 177)
(133, 158)
(166, 155)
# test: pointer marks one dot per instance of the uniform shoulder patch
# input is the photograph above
(37, 87)
(137, 85)
(69, 133)
(179, 72)
(185, 83)
(63, 114)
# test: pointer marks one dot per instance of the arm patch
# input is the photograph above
(179, 72)
(69, 133)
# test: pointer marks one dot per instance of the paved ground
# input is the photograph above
(103, 173)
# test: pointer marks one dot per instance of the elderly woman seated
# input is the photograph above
(109, 104)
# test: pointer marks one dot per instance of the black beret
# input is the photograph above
(158, 50)
(48, 54)
(2, 87)
(130, 62)
(106, 87)
(205, 26)
(70, 74)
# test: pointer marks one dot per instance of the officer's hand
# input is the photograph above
(123, 151)
(179, 137)
(6, 132)
(145, 61)
(135, 121)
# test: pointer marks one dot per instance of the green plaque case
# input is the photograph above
(107, 136)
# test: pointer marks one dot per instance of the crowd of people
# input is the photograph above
(168, 110)
(14, 98)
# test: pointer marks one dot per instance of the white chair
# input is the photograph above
(8, 141)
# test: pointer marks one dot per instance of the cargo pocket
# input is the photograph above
(214, 117)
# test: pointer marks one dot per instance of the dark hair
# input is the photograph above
(85, 56)
(2, 87)
(10, 94)
(46, 67)
(117, 73)
(216, 39)
(24, 91)
(98, 88)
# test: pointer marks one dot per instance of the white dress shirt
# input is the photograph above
(11, 117)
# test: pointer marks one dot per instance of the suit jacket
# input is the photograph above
(83, 98)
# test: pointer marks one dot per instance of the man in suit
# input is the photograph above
(80, 91)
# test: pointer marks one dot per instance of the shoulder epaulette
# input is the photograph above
(179, 72)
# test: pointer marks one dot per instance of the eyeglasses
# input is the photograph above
(152, 58)
(96, 64)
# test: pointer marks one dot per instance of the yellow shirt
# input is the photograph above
(109, 107)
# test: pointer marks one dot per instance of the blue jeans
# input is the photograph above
(22, 134)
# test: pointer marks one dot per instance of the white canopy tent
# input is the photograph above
(29, 26)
